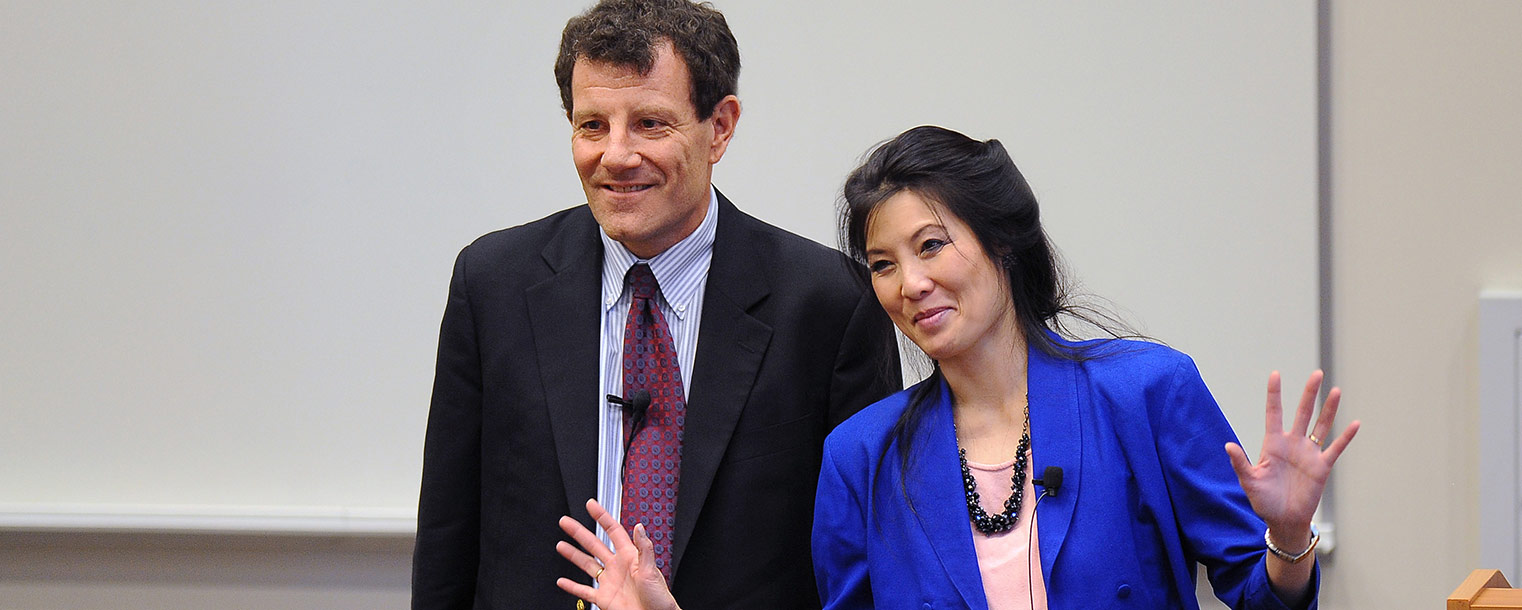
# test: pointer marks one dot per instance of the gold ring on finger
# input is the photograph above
(599, 573)
(1314, 439)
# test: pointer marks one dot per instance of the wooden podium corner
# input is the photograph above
(1485, 590)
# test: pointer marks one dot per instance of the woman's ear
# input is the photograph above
(1008, 260)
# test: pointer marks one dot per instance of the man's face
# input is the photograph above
(644, 158)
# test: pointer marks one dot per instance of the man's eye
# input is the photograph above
(591, 125)
(649, 123)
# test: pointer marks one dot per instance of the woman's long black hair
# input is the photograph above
(977, 182)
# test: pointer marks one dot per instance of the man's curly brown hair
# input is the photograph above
(628, 33)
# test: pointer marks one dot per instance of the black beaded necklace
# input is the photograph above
(1002, 522)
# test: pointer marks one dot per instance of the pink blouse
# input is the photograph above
(1009, 562)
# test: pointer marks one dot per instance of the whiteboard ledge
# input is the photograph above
(208, 519)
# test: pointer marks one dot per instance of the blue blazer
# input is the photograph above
(1148, 491)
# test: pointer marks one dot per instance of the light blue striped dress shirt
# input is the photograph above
(682, 273)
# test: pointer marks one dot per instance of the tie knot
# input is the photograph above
(642, 281)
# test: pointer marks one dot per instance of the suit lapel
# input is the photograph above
(1056, 440)
(731, 347)
(565, 321)
(934, 483)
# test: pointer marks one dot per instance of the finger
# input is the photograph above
(581, 560)
(1335, 450)
(1307, 404)
(616, 532)
(1273, 413)
(586, 539)
(575, 588)
(1328, 414)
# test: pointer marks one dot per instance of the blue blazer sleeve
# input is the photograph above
(1216, 524)
(1182, 502)
(840, 539)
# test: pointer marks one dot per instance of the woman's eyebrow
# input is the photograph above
(928, 227)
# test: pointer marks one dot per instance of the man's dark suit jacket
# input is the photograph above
(790, 344)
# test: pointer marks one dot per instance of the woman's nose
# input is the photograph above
(916, 282)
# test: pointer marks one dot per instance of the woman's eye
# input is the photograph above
(931, 246)
(879, 266)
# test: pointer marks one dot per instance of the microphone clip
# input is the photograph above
(1050, 481)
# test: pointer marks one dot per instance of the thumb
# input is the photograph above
(645, 548)
(1239, 462)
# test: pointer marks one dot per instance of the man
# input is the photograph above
(775, 341)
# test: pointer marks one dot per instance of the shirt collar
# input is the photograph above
(670, 267)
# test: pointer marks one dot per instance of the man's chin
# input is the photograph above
(627, 228)
(619, 221)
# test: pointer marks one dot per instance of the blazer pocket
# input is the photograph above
(773, 439)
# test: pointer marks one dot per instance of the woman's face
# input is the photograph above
(935, 280)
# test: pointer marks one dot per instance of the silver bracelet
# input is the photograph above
(1278, 552)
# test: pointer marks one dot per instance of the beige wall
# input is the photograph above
(1427, 211)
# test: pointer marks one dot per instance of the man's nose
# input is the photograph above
(622, 152)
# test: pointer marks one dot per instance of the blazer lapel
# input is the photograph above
(934, 483)
(731, 346)
(1056, 440)
(565, 321)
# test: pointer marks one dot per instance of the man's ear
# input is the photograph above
(725, 116)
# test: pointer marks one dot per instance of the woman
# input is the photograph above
(927, 499)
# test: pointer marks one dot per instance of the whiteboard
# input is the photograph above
(226, 231)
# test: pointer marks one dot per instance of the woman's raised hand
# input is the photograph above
(626, 579)
(1286, 484)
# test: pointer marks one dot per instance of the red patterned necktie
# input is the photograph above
(653, 458)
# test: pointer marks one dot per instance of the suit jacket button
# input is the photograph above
(1123, 592)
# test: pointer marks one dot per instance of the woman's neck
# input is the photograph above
(988, 389)
(990, 372)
